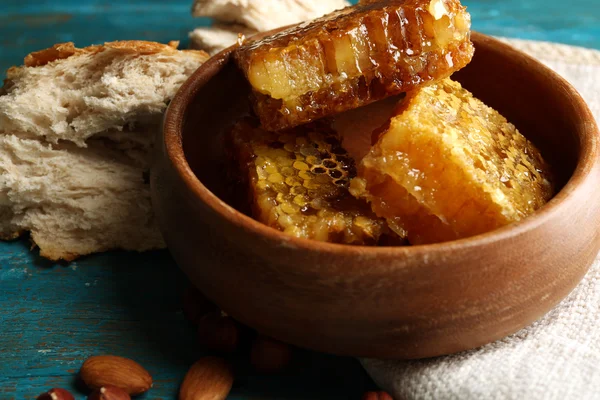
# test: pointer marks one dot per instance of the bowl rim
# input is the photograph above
(588, 160)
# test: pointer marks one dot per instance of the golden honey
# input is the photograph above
(353, 57)
(449, 167)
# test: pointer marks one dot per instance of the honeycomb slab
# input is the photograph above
(353, 57)
(298, 182)
(449, 167)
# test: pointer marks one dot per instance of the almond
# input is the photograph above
(56, 394)
(116, 371)
(109, 393)
(210, 378)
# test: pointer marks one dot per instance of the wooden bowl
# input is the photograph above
(386, 302)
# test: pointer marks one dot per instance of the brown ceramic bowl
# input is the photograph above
(388, 302)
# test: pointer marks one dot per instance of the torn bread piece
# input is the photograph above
(218, 37)
(264, 15)
(66, 93)
(75, 200)
(235, 17)
(76, 132)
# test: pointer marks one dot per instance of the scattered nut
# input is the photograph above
(195, 305)
(210, 378)
(109, 393)
(218, 333)
(116, 371)
(377, 396)
(269, 355)
(56, 394)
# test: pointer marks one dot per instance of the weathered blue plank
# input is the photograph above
(52, 317)
(574, 22)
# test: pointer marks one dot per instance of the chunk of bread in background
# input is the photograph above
(263, 15)
(65, 93)
(215, 38)
(251, 16)
(76, 132)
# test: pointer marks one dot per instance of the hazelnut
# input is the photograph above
(269, 355)
(218, 333)
(56, 394)
(195, 305)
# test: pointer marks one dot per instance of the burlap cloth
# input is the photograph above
(558, 357)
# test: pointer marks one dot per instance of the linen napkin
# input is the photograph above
(557, 357)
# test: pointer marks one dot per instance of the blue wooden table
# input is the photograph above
(54, 316)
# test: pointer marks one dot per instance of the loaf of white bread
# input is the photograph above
(247, 17)
(76, 132)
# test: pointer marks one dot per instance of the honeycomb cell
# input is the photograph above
(353, 57)
(449, 167)
(304, 200)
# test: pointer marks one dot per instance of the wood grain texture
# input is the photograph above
(52, 317)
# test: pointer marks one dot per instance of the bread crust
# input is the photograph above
(63, 51)
(57, 254)
(11, 235)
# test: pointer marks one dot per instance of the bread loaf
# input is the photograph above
(264, 15)
(66, 93)
(76, 131)
(213, 39)
(251, 16)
